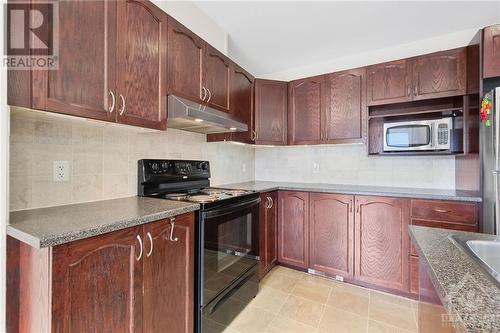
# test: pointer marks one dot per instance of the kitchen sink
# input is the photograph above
(485, 252)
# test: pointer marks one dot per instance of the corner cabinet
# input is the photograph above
(331, 234)
(137, 279)
(491, 51)
(271, 112)
(382, 242)
(100, 76)
(293, 229)
(268, 230)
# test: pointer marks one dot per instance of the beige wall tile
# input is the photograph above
(22, 130)
(54, 132)
(87, 159)
(87, 188)
(20, 192)
(20, 159)
(115, 186)
(45, 192)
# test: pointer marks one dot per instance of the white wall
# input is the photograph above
(444, 42)
(187, 13)
(349, 164)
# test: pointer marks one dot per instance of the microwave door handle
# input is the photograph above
(433, 134)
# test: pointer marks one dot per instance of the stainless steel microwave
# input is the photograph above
(421, 135)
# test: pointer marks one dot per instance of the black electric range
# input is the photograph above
(227, 242)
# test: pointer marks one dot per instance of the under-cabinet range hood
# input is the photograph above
(190, 116)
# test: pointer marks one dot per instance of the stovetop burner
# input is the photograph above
(206, 195)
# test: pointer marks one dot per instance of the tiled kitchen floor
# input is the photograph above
(291, 301)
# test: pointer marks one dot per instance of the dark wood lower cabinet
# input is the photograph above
(382, 242)
(331, 234)
(268, 230)
(131, 280)
(293, 229)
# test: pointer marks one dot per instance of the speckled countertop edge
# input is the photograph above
(19, 231)
(477, 307)
(416, 193)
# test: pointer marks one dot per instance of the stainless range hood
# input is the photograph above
(190, 116)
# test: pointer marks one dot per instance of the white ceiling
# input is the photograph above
(276, 36)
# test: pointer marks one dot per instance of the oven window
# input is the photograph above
(230, 249)
(408, 136)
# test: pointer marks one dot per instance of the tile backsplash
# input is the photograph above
(349, 164)
(102, 158)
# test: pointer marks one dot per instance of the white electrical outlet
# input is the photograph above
(339, 278)
(61, 171)
(315, 167)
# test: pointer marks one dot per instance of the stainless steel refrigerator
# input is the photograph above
(489, 138)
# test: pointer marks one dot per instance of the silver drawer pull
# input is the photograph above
(151, 242)
(437, 210)
(140, 246)
(172, 226)
(123, 105)
(113, 102)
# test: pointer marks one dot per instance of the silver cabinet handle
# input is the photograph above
(254, 136)
(122, 110)
(437, 210)
(140, 245)
(204, 91)
(272, 202)
(151, 242)
(172, 226)
(268, 202)
(113, 102)
(209, 95)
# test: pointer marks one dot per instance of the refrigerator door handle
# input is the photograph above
(496, 214)
(496, 128)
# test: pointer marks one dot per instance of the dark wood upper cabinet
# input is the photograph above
(306, 103)
(241, 102)
(268, 229)
(382, 251)
(331, 234)
(440, 74)
(293, 228)
(216, 78)
(389, 82)
(491, 51)
(142, 64)
(185, 62)
(97, 284)
(169, 275)
(271, 99)
(84, 82)
(346, 106)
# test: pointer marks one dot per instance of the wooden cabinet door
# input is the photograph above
(270, 112)
(84, 82)
(346, 106)
(268, 230)
(440, 74)
(141, 64)
(169, 275)
(306, 103)
(491, 51)
(293, 236)
(389, 82)
(185, 62)
(216, 78)
(241, 103)
(331, 234)
(382, 242)
(97, 284)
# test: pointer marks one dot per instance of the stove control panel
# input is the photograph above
(174, 168)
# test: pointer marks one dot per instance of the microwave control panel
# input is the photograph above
(443, 134)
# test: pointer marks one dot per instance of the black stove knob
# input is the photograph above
(204, 166)
(155, 167)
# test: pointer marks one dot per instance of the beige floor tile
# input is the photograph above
(281, 282)
(351, 299)
(351, 288)
(252, 320)
(285, 325)
(312, 291)
(393, 314)
(302, 310)
(270, 299)
(335, 320)
(379, 296)
(319, 280)
(377, 327)
(288, 272)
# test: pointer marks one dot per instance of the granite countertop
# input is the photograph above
(418, 193)
(466, 291)
(44, 227)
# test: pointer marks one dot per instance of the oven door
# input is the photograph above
(229, 245)
(407, 136)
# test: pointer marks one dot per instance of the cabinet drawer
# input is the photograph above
(448, 211)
